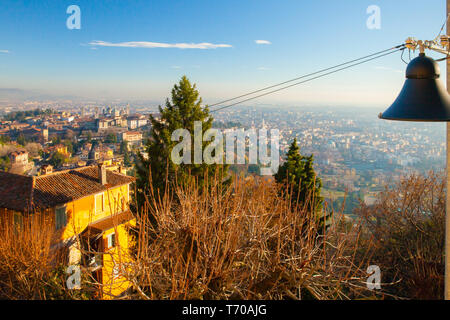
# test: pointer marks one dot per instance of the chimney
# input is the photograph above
(102, 173)
(46, 169)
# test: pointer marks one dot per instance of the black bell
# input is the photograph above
(423, 96)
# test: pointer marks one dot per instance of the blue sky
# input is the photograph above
(38, 52)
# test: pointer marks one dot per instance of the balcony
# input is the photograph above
(95, 262)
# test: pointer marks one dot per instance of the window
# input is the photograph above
(111, 240)
(18, 220)
(60, 217)
(99, 203)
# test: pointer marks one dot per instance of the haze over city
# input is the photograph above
(206, 151)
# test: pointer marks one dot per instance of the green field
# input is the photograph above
(332, 194)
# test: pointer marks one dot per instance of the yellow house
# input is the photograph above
(89, 209)
(110, 153)
(60, 148)
(63, 150)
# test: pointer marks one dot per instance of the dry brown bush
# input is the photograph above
(406, 231)
(239, 242)
(32, 266)
(242, 242)
(26, 258)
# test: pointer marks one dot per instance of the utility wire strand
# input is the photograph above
(442, 59)
(307, 75)
(403, 51)
(442, 28)
(398, 48)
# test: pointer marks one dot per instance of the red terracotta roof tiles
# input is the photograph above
(23, 193)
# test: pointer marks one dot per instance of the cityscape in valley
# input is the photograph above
(356, 154)
(224, 150)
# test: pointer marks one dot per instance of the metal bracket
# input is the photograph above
(441, 46)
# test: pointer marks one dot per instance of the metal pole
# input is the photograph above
(447, 198)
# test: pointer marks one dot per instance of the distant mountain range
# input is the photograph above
(20, 95)
(17, 95)
(7, 94)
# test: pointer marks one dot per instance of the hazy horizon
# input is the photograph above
(137, 51)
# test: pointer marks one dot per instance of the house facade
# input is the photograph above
(19, 162)
(132, 137)
(89, 210)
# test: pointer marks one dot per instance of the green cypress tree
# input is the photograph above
(298, 173)
(126, 159)
(180, 112)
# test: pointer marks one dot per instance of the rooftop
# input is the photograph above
(107, 223)
(27, 193)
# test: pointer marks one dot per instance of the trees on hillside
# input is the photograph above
(184, 108)
(4, 139)
(126, 153)
(123, 147)
(56, 140)
(4, 163)
(57, 159)
(111, 138)
(21, 140)
(298, 174)
(22, 115)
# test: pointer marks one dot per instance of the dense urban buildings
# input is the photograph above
(355, 153)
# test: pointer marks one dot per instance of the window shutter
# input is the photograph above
(103, 245)
(60, 217)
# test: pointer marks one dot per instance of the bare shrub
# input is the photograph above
(406, 227)
(31, 266)
(33, 148)
(7, 149)
(241, 242)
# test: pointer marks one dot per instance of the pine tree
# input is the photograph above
(298, 173)
(123, 147)
(180, 112)
(126, 159)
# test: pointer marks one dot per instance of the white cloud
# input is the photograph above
(4, 51)
(263, 68)
(175, 67)
(262, 42)
(146, 44)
